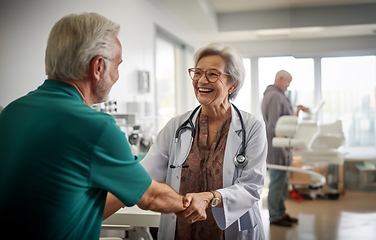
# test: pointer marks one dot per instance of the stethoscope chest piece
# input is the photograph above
(240, 160)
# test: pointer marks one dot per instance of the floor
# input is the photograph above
(351, 216)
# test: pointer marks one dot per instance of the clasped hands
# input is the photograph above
(195, 204)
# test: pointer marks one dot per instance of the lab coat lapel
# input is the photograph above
(233, 145)
(183, 146)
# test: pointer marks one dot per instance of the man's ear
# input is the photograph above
(97, 68)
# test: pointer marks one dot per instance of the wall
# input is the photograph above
(25, 25)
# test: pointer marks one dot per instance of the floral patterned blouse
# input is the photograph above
(203, 175)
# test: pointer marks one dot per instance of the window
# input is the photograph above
(348, 89)
(301, 90)
(172, 59)
(243, 100)
(165, 81)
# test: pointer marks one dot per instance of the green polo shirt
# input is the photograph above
(58, 159)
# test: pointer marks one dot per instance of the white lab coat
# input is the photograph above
(240, 216)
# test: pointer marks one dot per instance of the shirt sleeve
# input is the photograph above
(156, 160)
(274, 111)
(115, 169)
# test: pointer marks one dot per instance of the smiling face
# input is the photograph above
(212, 94)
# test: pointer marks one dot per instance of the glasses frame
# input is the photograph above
(205, 73)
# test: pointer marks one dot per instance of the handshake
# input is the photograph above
(160, 197)
(195, 205)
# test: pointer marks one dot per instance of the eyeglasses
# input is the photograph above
(212, 75)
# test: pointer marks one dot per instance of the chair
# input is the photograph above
(125, 228)
(129, 232)
(314, 143)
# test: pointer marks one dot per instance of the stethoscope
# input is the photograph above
(240, 159)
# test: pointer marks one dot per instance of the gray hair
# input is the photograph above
(234, 63)
(75, 40)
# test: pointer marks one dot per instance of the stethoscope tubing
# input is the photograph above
(240, 159)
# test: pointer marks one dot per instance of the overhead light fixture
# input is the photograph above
(285, 32)
(308, 29)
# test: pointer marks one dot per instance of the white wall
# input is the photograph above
(25, 25)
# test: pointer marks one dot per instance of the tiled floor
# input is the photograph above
(351, 216)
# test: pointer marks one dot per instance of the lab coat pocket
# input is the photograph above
(249, 220)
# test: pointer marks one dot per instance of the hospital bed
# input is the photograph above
(314, 144)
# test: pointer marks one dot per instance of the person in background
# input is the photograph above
(274, 105)
(196, 151)
(59, 157)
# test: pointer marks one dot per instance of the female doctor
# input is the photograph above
(216, 151)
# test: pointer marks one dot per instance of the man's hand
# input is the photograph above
(197, 208)
(301, 108)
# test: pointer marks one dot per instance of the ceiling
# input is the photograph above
(222, 6)
(260, 20)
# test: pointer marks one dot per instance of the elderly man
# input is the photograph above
(274, 105)
(59, 158)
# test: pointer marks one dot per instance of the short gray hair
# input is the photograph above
(75, 40)
(234, 63)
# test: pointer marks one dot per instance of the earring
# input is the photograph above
(229, 93)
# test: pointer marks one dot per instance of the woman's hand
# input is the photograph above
(197, 208)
